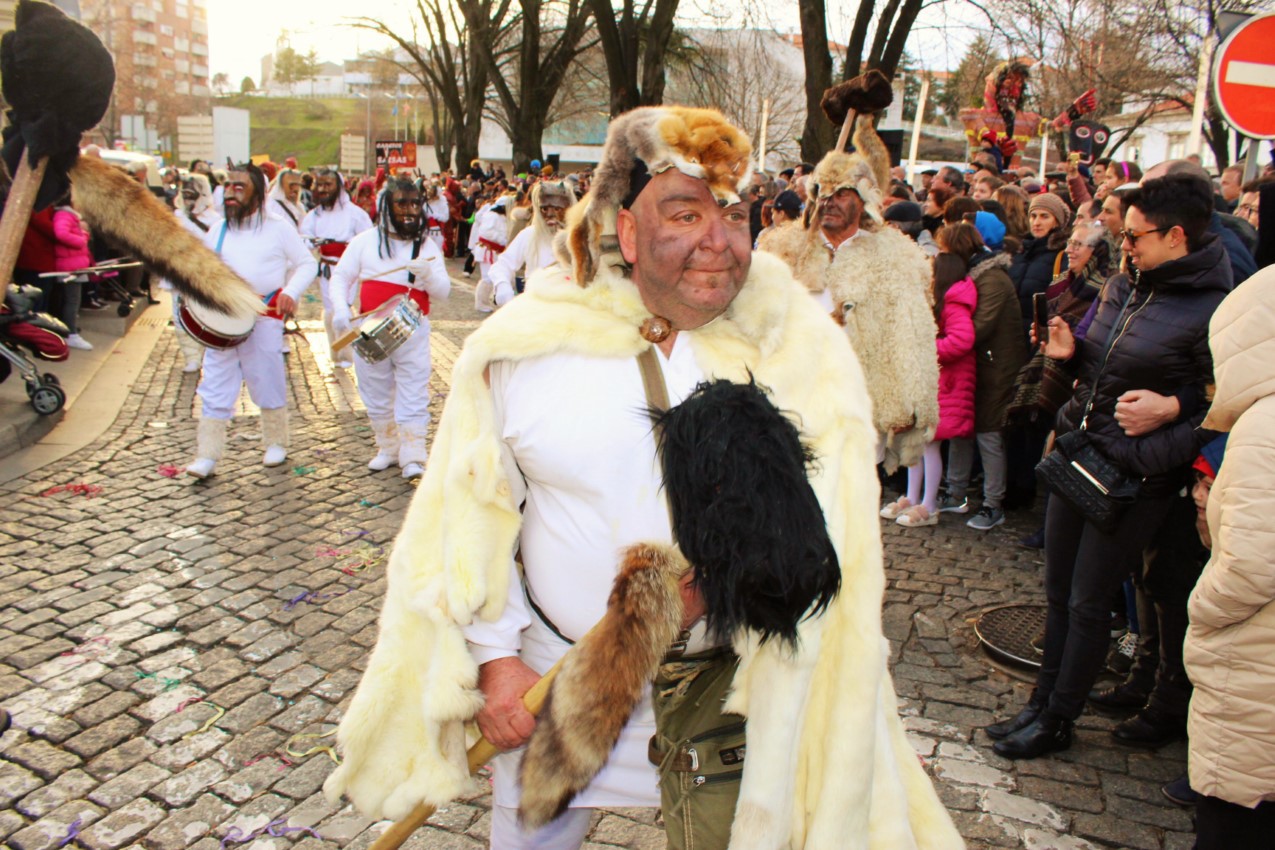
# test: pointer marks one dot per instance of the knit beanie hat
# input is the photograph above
(990, 228)
(1052, 204)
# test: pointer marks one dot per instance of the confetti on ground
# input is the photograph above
(311, 298)
(363, 429)
(304, 470)
(86, 490)
(181, 706)
(92, 646)
(139, 674)
(72, 832)
(355, 532)
(364, 503)
(277, 828)
(284, 761)
(220, 712)
(169, 471)
(312, 596)
(321, 748)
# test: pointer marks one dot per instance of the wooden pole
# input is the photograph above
(846, 127)
(479, 754)
(17, 213)
(761, 147)
(916, 128)
(1201, 94)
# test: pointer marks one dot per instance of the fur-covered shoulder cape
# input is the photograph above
(882, 280)
(832, 765)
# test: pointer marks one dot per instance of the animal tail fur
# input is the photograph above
(601, 681)
(121, 209)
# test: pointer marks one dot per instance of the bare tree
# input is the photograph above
(634, 39)
(527, 64)
(889, 28)
(446, 59)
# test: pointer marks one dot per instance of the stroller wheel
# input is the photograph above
(47, 399)
(50, 378)
(124, 309)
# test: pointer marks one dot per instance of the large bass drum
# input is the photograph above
(386, 328)
(213, 328)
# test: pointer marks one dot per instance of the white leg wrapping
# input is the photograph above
(412, 444)
(210, 438)
(385, 432)
(274, 434)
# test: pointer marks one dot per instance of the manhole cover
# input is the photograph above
(1007, 633)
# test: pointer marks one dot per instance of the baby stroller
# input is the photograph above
(26, 334)
(106, 275)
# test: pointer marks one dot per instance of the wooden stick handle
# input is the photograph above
(846, 127)
(479, 754)
(17, 213)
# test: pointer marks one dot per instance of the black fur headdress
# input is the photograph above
(744, 513)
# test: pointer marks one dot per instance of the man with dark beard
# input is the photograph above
(267, 253)
(396, 258)
(532, 249)
(333, 222)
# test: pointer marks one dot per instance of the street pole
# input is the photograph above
(761, 147)
(1201, 92)
(367, 141)
(916, 128)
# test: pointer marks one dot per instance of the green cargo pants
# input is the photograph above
(698, 749)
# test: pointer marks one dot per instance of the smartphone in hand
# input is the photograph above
(1040, 317)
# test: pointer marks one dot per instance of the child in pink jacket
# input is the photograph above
(955, 298)
(70, 253)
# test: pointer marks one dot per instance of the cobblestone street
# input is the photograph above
(171, 649)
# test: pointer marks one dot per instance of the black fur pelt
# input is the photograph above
(744, 513)
(58, 79)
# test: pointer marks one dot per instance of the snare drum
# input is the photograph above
(212, 328)
(386, 328)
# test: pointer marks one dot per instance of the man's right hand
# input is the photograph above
(341, 323)
(504, 720)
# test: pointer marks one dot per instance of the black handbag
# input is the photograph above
(1080, 474)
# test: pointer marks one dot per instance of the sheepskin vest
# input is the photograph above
(828, 763)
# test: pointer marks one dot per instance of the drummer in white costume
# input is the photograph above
(267, 253)
(196, 214)
(436, 214)
(336, 218)
(487, 239)
(395, 258)
(285, 197)
(532, 248)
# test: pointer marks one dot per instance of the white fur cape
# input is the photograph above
(828, 763)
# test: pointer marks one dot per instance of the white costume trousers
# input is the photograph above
(257, 360)
(397, 388)
(565, 832)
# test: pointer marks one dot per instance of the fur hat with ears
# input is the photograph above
(641, 143)
(552, 192)
(867, 169)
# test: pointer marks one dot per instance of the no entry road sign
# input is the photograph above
(1244, 77)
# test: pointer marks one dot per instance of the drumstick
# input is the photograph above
(479, 754)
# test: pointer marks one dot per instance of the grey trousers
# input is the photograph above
(960, 461)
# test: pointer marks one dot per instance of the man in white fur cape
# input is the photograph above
(877, 283)
(545, 448)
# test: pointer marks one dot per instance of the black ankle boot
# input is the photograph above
(1024, 718)
(1048, 733)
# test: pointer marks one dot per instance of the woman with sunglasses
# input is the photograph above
(1142, 372)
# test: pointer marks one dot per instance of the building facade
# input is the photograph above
(161, 67)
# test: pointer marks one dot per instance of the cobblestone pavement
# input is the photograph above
(166, 645)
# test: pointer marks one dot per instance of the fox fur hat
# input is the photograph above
(641, 143)
(867, 169)
(551, 192)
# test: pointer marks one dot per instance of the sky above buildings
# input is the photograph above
(242, 31)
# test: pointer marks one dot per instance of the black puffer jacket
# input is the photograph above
(1033, 269)
(1162, 345)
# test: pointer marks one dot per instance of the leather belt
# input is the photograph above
(686, 760)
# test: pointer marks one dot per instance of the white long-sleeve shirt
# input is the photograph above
(515, 256)
(361, 262)
(341, 223)
(489, 225)
(267, 253)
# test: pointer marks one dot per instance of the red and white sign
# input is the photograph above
(1244, 77)
(396, 155)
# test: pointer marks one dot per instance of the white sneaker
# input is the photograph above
(382, 461)
(77, 341)
(201, 468)
(344, 364)
(275, 456)
(413, 470)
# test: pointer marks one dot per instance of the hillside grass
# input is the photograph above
(310, 128)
